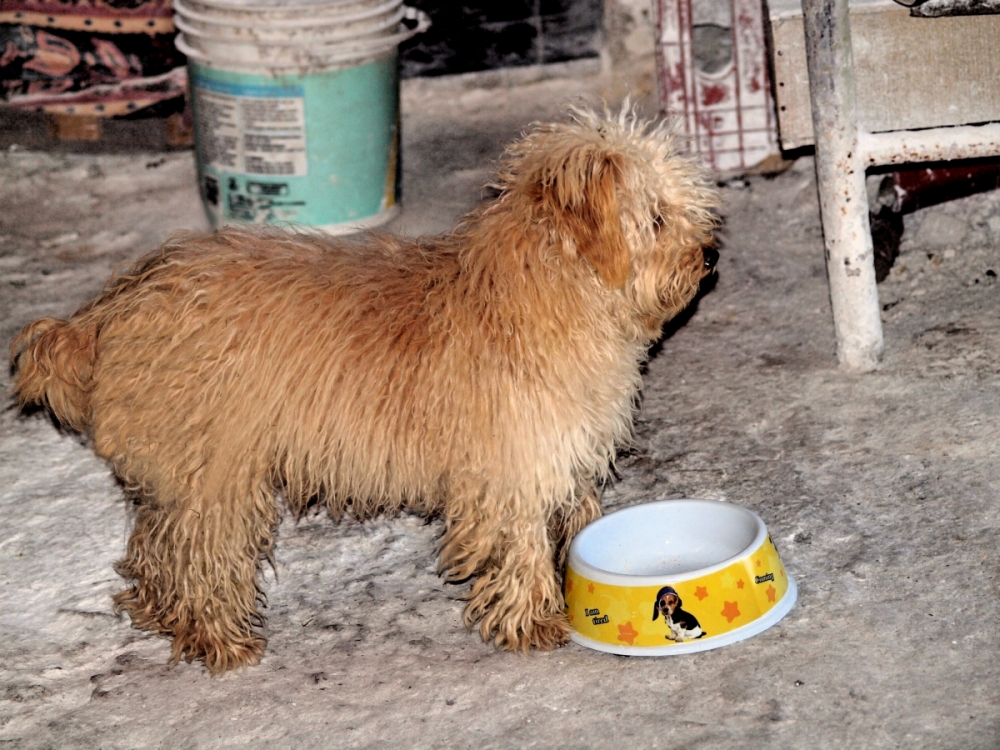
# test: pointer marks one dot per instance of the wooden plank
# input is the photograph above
(74, 127)
(911, 72)
(43, 131)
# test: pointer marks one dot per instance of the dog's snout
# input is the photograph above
(711, 257)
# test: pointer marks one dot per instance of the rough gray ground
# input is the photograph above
(880, 491)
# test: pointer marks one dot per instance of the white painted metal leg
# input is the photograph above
(840, 176)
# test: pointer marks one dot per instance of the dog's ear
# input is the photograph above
(656, 609)
(581, 198)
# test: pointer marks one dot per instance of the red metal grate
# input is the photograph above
(727, 111)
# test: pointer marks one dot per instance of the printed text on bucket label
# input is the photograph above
(253, 134)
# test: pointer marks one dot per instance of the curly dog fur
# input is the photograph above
(486, 375)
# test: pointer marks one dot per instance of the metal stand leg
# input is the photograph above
(840, 175)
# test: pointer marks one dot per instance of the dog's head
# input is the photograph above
(613, 192)
(667, 602)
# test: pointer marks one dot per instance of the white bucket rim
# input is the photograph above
(249, 20)
(281, 56)
(346, 58)
(294, 7)
(332, 55)
(382, 28)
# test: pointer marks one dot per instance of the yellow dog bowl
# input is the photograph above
(674, 577)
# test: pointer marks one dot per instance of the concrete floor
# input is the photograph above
(879, 490)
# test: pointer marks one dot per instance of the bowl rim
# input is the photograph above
(598, 575)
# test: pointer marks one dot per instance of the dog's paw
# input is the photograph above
(550, 634)
(543, 634)
(220, 655)
(223, 644)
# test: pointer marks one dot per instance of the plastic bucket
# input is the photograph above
(200, 23)
(296, 109)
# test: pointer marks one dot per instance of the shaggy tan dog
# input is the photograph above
(486, 375)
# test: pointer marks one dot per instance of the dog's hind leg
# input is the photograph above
(516, 599)
(195, 561)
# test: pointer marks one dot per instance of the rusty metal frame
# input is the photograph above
(843, 152)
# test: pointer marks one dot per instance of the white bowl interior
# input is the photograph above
(667, 538)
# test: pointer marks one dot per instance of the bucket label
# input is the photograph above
(254, 130)
(317, 147)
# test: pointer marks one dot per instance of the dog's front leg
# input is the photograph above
(567, 522)
(516, 599)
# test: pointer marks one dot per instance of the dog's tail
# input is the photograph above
(53, 362)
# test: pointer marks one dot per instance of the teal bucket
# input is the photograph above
(296, 109)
